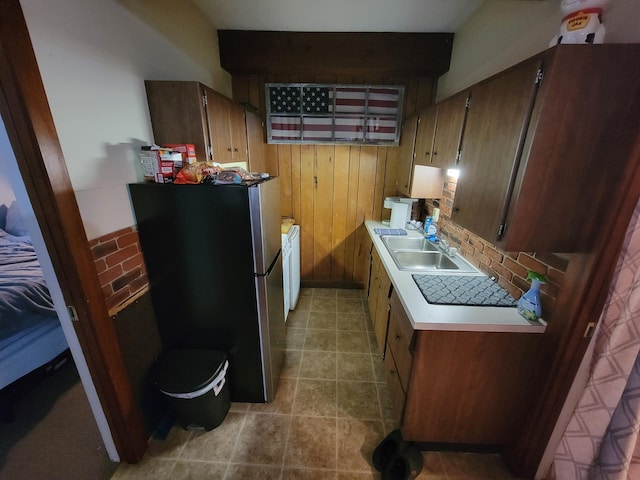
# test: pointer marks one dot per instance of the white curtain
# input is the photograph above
(601, 439)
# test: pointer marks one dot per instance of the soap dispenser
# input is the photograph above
(529, 305)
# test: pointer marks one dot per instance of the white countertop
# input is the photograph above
(426, 316)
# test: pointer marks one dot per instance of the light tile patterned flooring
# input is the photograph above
(330, 411)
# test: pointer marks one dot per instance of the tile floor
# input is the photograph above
(330, 411)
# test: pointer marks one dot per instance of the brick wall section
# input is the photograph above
(120, 266)
(509, 268)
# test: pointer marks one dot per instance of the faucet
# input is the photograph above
(448, 250)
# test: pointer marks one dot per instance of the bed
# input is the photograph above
(30, 333)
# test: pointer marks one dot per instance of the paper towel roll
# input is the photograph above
(399, 215)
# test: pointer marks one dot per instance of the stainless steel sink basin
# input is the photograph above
(423, 261)
(417, 254)
(409, 243)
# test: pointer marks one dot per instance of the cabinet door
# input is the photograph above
(218, 111)
(381, 320)
(373, 284)
(255, 142)
(424, 136)
(397, 394)
(177, 114)
(450, 125)
(238, 132)
(407, 140)
(494, 135)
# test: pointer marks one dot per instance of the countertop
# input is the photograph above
(426, 316)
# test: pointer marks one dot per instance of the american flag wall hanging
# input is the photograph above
(319, 113)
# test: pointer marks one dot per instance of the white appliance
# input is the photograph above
(286, 272)
(294, 264)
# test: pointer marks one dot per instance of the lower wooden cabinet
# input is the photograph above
(456, 387)
(379, 288)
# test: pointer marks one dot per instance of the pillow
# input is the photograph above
(3, 215)
(14, 222)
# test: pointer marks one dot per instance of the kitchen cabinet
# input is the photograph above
(450, 126)
(424, 136)
(545, 144)
(379, 287)
(228, 130)
(405, 168)
(455, 386)
(255, 142)
(190, 112)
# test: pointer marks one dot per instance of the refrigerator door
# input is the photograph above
(272, 325)
(264, 206)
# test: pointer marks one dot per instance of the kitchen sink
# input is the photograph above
(417, 254)
(423, 261)
(409, 243)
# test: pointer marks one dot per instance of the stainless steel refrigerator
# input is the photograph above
(213, 260)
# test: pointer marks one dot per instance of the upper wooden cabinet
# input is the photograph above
(545, 155)
(496, 125)
(227, 126)
(438, 137)
(424, 135)
(450, 125)
(190, 112)
(407, 141)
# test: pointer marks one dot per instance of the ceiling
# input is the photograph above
(339, 15)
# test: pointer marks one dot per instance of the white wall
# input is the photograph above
(502, 33)
(6, 192)
(94, 56)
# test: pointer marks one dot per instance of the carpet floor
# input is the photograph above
(54, 435)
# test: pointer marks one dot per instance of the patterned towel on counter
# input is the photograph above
(463, 290)
(390, 231)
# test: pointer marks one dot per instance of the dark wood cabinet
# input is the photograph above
(450, 126)
(496, 125)
(424, 136)
(379, 288)
(407, 142)
(456, 387)
(178, 114)
(228, 129)
(539, 163)
(190, 112)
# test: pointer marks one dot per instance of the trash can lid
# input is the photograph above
(188, 370)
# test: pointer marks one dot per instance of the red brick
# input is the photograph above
(482, 258)
(501, 270)
(128, 239)
(133, 262)
(121, 255)
(557, 261)
(107, 290)
(110, 275)
(125, 279)
(514, 291)
(555, 276)
(139, 283)
(531, 263)
(101, 265)
(104, 249)
(494, 254)
(521, 283)
(515, 267)
(116, 234)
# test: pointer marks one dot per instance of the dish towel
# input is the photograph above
(390, 231)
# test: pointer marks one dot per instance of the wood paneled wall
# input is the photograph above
(330, 190)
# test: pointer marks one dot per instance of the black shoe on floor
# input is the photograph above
(406, 465)
(387, 450)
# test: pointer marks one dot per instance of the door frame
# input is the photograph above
(30, 127)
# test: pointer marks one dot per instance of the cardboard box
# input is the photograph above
(188, 151)
(160, 165)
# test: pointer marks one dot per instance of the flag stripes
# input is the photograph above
(351, 114)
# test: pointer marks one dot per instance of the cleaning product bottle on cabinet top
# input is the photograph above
(529, 305)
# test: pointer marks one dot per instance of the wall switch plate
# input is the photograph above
(436, 214)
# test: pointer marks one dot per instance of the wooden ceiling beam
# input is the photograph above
(267, 52)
